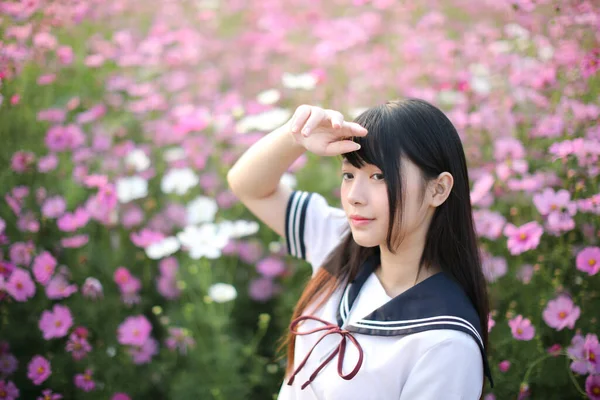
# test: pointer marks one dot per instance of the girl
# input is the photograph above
(397, 305)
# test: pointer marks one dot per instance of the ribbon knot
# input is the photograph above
(328, 329)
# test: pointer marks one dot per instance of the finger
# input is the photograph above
(355, 128)
(336, 118)
(341, 147)
(299, 118)
(316, 116)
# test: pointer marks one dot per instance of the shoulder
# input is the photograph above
(448, 342)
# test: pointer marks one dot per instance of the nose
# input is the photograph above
(356, 193)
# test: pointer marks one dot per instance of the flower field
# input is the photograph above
(128, 269)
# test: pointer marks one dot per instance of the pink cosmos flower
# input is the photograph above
(133, 216)
(59, 288)
(20, 285)
(503, 366)
(550, 201)
(38, 370)
(48, 395)
(6, 268)
(493, 267)
(56, 323)
(146, 237)
(250, 251)
(22, 161)
(167, 287)
(120, 396)
(70, 222)
(92, 288)
(21, 252)
(9, 390)
(585, 353)
(46, 79)
(65, 55)
(271, 267)
(561, 312)
(262, 289)
(74, 241)
(592, 387)
(28, 222)
(134, 331)
(179, 339)
(521, 328)
(78, 346)
(85, 381)
(47, 163)
(491, 323)
(523, 238)
(588, 260)
(591, 63)
(143, 354)
(54, 115)
(8, 364)
(54, 207)
(43, 267)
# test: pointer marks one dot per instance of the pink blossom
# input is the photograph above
(48, 395)
(180, 339)
(521, 328)
(78, 346)
(586, 354)
(592, 387)
(22, 161)
(85, 381)
(62, 138)
(549, 126)
(250, 251)
(65, 55)
(28, 222)
(503, 366)
(9, 390)
(54, 115)
(45, 40)
(561, 312)
(120, 396)
(262, 289)
(20, 285)
(38, 370)
(143, 354)
(47, 163)
(591, 63)
(134, 331)
(168, 267)
(133, 216)
(46, 79)
(271, 267)
(122, 276)
(43, 267)
(167, 287)
(92, 288)
(8, 364)
(74, 241)
(493, 267)
(56, 323)
(54, 207)
(59, 288)
(491, 323)
(70, 222)
(523, 238)
(588, 260)
(146, 237)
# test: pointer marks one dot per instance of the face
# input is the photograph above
(364, 194)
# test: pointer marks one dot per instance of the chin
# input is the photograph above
(365, 240)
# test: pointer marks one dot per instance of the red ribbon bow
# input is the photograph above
(329, 329)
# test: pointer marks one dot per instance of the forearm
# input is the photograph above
(257, 172)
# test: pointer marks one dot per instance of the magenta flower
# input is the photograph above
(20, 253)
(20, 285)
(43, 267)
(54, 207)
(70, 222)
(84, 381)
(120, 396)
(549, 201)
(588, 260)
(489, 224)
(521, 328)
(271, 267)
(48, 395)
(493, 267)
(179, 339)
(38, 370)
(74, 241)
(262, 289)
(59, 288)
(523, 238)
(167, 287)
(146, 237)
(8, 391)
(134, 330)
(585, 353)
(8, 364)
(56, 323)
(143, 354)
(78, 346)
(6, 268)
(22, 161)
(592, 387)
(591, 63)
(491, 323)
(503, 366)
(561, 312)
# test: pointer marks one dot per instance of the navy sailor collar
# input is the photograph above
(437, 302)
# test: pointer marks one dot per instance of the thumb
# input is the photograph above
(342, 146)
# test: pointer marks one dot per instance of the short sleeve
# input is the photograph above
(451, 369)
(312, 227)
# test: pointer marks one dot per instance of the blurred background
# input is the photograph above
(128, 270)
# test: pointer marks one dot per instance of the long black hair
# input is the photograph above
(421, 132)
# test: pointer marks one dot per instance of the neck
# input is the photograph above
(399, 272)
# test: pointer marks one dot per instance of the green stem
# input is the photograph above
(575, 383)
(571, 376)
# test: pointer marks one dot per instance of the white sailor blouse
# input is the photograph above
(362, 344)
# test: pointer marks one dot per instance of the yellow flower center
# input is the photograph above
(592, 262)
(562, 315)
(41, 370)
(522, 236)
(58, 324)
(519, 331)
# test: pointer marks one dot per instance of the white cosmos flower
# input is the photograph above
(174, 154)
(306, 81)
(164, 248)
(203, 241)
(179, 181)
(131, 188)
(266, 121)
(138, 160)
(201, 209)
(238, 229)
(268, 97)
(222, 292)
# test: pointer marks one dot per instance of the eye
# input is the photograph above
(380, 175)
(344, 174)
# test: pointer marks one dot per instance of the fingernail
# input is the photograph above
(357, 146)
(294, 128)
(305, 132)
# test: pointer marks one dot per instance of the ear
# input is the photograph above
(440, 188)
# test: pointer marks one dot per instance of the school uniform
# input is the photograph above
(364, 345)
